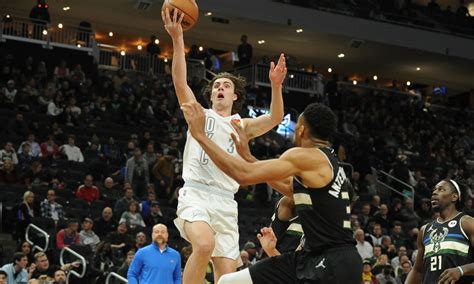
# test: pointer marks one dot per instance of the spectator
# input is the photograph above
(55, 108)
(146, 204)
(16, 271)
(367, 276)
(26, 249)
(59, 277)
(43, 267)
(150, 155)
(406, 268)
(3, 277)
(109, 190)
(244, 256)
(377, 252)
(87, 235)
(9, 93)
(8, 153)
(156, 216)
(365, 215)
(103, 262)
(251, 249)
(136, 173)
(105, 224)
(376, 236)
(388, 247)
(72, 152)
(61, 71)
(35, 150)
(49, 149)
(123, 270)
(140, 241)
(132, 217)
(382, 218)
(164, 172)
(380, 264)
(397, 235)
(68, 236)
(88, 191)
(35, 177)
(152, 47)
(409, 217)
(364, 248)
(120, 241)
(244, 51)
(122, 204)
(25, 213)
(8, 173)
(148, 264)
(50, 208)
(17, 128)
(24, 158)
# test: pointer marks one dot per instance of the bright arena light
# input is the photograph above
(354, 82)
(329, 69)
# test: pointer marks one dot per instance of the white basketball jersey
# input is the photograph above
(198, 167)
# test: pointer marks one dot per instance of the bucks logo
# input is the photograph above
(437, 237)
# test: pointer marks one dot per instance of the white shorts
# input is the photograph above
(219, 211)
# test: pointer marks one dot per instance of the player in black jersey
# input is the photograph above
(445, 244)
(310, 173)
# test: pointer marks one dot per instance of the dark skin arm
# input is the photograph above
(416, 274)
(452, 275)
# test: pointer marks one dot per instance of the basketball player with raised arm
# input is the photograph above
(445, 244)
(309, 172)
(207, 211)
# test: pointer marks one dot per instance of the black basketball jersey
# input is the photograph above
(325, 212)
(446, 246)
(288, 233)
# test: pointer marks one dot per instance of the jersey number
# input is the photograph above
(436, 263)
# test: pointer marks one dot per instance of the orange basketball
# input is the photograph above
(188, 7)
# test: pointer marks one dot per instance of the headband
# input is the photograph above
(457, 188)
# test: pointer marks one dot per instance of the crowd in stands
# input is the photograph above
(97, 161)
(452, 19)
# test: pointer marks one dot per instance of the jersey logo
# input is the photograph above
(321, 264)
(452, 223)
(437, 237)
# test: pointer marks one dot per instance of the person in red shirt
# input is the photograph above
(69, 235)
(49, 149)
(88, 191)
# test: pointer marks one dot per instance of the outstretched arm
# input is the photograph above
(240, 170)
(178, 68)
(255, 127)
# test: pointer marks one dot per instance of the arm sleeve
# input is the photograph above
(135, 269)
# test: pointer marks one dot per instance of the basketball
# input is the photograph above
(188, 7)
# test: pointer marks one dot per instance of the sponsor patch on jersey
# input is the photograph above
(452, 223)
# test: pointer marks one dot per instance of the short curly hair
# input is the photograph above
(239, 90)
(321, 121)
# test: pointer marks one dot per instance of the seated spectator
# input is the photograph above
(123, 270)
(25, 213)
(3, 277)
(8, 173)
(35, 176)
(394, 262)
(88, 191)
(8, 93)
(132, 217)
(68, 236)
(397, 236)
(136, 173)
(45, 269)
(49, 149)
(50, 208)
(364, 216)
(409, 217)
(103, 261)
(377, 252)
(105, 224)
(35, 150)
(381, 262)
(383, 219)
(398, 268)
(122, 204)
(386, 276)
(26, 249)
(120, 241)
(8, 153)
(156, 216)
(376, 236)
(61, 71)
(406, 268)
(24, 158)
(367, 276)
(55, 108)
(140, 241)
(16, 271)
(72, 112)
(109, 191)
(17, 128)
(59, 277)
(364, 248)
(88, 237)
(388, 247)
(244, 256)
(146, 204)
(72, 152)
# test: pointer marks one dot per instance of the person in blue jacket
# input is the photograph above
(157, 262)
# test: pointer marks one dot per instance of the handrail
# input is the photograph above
(46, 236)
(80, 257)
(113, 274)
(396, 179)
(408, 186)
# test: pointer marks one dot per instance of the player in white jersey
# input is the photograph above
(207, 212)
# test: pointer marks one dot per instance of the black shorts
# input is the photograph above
(336, 266)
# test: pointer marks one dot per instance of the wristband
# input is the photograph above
(460, 269)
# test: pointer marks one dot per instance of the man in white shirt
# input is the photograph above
(72, 152)
(16, 271)
(364, 248)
